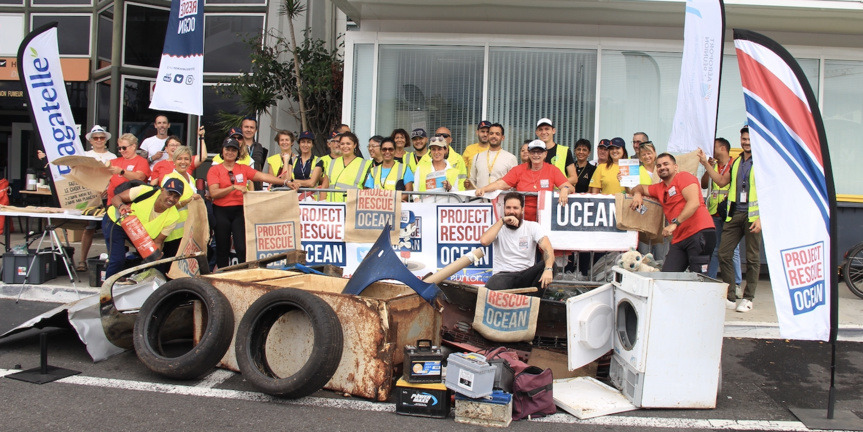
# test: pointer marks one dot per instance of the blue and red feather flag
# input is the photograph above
(796, 197)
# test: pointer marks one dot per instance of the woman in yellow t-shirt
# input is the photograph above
(605, 179)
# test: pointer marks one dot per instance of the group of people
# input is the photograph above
(163, 179)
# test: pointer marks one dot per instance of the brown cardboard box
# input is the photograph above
(557, 362)
(73, 235)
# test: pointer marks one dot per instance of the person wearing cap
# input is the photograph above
(434, 172)
(419, 141)
(390, 174)
(306, 169)
(583, 168)
(401, 137)
(452, 156)
(533, 177)
(244, 158)
(154, 207)
(605, 179)
(689, 223)
(557, 155)
(477, 147)
(227, 184)
(182, 163)
(493, 163)
(165, 167)
(155, 145)
(348, 171)
(602, 152)
(375, 150)
(98, 138)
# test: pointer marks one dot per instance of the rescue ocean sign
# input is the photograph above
(39, 69)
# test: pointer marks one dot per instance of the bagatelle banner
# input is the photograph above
(180, 83)
(39, 68)
(791, 159)
(694, 123)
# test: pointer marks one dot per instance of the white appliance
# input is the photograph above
(666, 333)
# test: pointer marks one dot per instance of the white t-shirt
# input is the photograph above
(101, 157)
(154, 145)
(488, 167)
(515, 249)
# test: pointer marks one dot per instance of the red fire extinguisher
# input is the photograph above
(140, 238)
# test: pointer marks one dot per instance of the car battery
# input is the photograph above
(422, 400)
(422, 363)
(469, 374)
(495, 410)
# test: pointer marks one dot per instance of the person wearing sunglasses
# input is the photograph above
(437, 174)
(129, 166)
(452, 156)
(375, 150)
(390, 174)
(98, 138)
(227, 184)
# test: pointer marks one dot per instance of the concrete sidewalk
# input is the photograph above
(760, 323)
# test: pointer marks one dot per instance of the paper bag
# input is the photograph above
(196, 234)
(272, 224)
(650, 223)
(688, 162)
(368, 211)
(505, 317)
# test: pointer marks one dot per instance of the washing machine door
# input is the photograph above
(589, 325)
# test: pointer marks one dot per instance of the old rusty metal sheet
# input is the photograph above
(290, 257)
(376, 327)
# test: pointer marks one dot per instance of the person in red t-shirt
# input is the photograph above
(129, 166)
(533, 176)
(165, 167)
(227, 184)
(691, 227)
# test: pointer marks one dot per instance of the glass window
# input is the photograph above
(73, 32)
(13, 33)
(62, 2)
(103, 103)
(843, 120)
(225, 47)
(105, 38)
(429, 87)
(12, 2)
(361, 100)
(527, 84)
(214, 104)
(144, 35)
(137, 117)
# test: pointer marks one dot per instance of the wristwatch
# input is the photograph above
(675, 221)
(549, 269)
(122, 172)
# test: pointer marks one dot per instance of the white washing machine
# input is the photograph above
(666, 333)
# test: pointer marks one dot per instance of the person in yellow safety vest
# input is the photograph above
(154, 207)
(182, 164)
(427, 176)
(284, 158)
(333, 144)
(557, 155)
(348, 171)
(742, 221)
(452, 156)
(390, 174)
(419, 141)
(478, 147)
(717, 206)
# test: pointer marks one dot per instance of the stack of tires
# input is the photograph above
(155, 349)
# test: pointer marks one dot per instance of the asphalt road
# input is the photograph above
(761, 380)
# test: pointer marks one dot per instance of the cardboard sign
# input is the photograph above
(196, 233)
(505, 317)
(272, 224)
(369, 211)
(649, 220)
(323, 233)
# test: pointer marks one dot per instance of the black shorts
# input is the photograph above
(692, 252)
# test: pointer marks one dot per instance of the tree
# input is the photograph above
(311, 79)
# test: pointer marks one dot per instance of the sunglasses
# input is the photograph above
(388, 149)
(98, 138)
(122, 148)
(438, 138)
(231, 175)
(443, 135)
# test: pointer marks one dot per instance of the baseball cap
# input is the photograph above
(98, 129)
(235, 131)
(174, 185)
(334, 136)
(230, 142)
(307, 135)
(536, 144)
(544, 121)
(617, 142)
(604, 143)
(483, 124)
(418, 133)
(438, 142)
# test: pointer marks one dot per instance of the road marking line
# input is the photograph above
(363, 405)
(217, 377)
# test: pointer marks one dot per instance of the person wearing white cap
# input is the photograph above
(533, 177)
(436, 174)
(557, 155)
(98, 138)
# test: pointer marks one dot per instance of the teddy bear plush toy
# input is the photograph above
(634, 262)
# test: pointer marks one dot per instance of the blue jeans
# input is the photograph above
(713, 268)
(115, 239)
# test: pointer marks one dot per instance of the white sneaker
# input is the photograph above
(730, 304)
(744, 306)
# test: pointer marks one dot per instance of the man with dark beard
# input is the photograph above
(515, 264)
(690, 226)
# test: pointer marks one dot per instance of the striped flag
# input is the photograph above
(796, 198)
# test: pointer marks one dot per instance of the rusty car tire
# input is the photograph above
(218, 322)
(255, 327)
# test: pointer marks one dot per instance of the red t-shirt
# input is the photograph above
(165, 167)
(136, 164)
(525, 180)
(671, 198)
(218, 175)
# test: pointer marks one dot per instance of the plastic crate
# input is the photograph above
(96, 269)
(15, 268)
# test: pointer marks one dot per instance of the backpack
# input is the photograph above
(532, 394)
